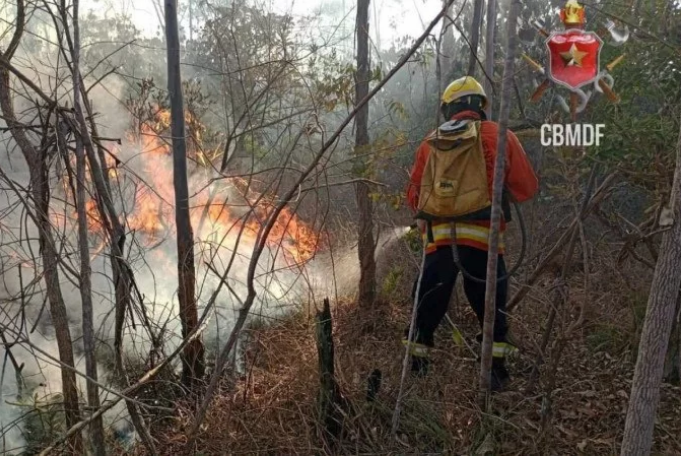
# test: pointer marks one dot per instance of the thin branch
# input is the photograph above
(146, 378)
(265, 231)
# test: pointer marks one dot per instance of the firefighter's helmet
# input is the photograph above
(462, 87)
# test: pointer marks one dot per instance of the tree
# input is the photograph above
(97, 426)
(245, 56)
(193, 362)
(490, 33)
(40, 201)
(366, 244)
(657, 326)
(475, 37)
(498, 185)
(448, 44)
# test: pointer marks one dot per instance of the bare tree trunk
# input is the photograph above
(123, 277)
(440, 61)
(191, 20)
(446, 44)
(490, 35)
(499, 167)
(475, 37)
(672, 363)
(40, 196)
(657, 326)
(97, 425)
(193, 361)
(329, 397)
(366, 244)
(377, 25)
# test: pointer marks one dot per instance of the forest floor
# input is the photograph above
(272, 408)
(576, 404)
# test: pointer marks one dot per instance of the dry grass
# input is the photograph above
(271, 408)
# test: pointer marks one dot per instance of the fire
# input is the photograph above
(153, 211)
(94, 222)
(298, 242)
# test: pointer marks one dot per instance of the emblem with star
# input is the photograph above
(573, 57)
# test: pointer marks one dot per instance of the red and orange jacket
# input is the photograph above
(520, 180)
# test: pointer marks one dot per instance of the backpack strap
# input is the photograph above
(455, 131)
(430, 237)
(429, 231)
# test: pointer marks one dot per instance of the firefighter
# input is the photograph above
(466, 99)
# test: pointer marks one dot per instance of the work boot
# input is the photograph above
(507, 339)
(500, 378)
(419, 366)
(419, 357)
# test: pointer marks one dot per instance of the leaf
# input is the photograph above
(397, 108)
(375, 196)
(457, 337)
(582, 445)
(402, 439)
(666, 217)
(486, 447)
(566, 431)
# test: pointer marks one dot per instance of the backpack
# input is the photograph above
(454, 183)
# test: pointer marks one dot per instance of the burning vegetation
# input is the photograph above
(221, 212)
(132, 324)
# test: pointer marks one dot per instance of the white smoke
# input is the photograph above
(25, 316)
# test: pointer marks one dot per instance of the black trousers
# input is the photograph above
(439, 278)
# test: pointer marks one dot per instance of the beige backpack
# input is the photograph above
(454, 182)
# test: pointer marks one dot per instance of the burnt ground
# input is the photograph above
(272, 409)
(575, 404)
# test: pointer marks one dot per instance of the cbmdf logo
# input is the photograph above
(571, 134)
(574, 60)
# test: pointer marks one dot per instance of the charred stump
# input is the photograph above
(330, 399)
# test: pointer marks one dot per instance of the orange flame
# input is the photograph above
(153, 212)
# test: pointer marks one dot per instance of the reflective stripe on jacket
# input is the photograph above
(520, 180)
(473, 233)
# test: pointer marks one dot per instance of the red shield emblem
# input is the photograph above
(574, 57)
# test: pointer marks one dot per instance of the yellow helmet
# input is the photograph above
(462, 87)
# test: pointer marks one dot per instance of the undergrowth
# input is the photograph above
(272, 409)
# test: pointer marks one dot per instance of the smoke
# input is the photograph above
(337, 274)
(143, 193)
(26, 320)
